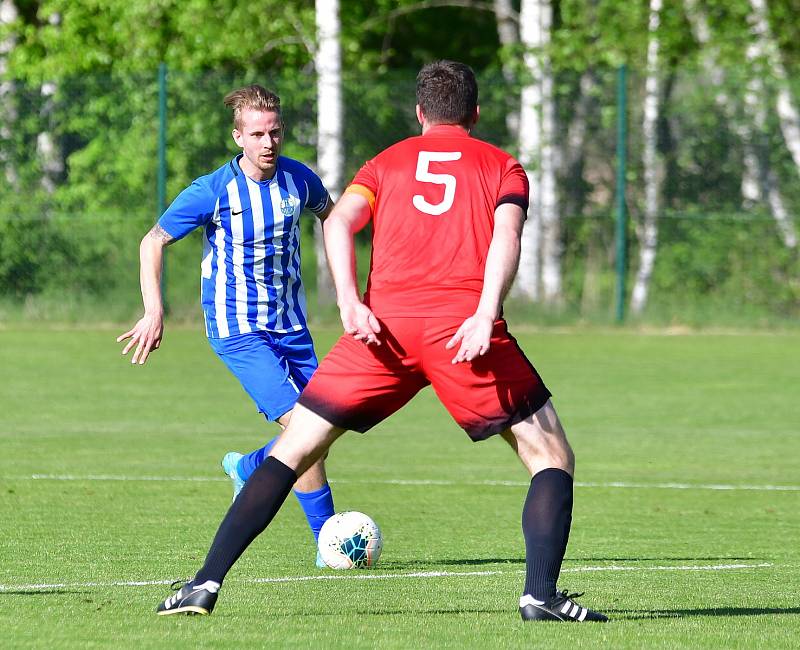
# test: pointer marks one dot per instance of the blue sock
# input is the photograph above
(249, 462)
(318, 506)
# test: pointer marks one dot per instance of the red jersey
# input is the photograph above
(433, 216)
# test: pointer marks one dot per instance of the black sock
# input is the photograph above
(260, 499)
(546, 518)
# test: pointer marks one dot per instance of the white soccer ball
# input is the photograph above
(350, 540)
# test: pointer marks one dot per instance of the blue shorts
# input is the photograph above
(273, 368)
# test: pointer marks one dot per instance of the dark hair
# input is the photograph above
(254, 97)
(447, 93)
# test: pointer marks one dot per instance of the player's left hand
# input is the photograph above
(360, 323)
(475, 335)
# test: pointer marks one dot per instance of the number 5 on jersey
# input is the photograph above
(424, 159)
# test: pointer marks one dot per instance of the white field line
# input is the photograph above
(611, 484)
(388, 576)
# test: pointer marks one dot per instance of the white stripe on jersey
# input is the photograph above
(220, 282)
(293, 267)
(237, 237)
(277, 272)
(206, 269)
(259, 254)
(205, 264)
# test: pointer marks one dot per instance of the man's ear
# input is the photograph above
(237, 137)
(420, 116)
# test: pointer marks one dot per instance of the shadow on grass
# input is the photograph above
(641, 614)
(614, 615)
(664, 559)
(411, 564)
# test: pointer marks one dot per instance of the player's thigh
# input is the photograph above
(492, 392)
(305, 440)
(263, 372)
(540, 441)
(297, 348)
(357, 385)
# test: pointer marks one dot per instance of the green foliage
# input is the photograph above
(724, 262)
(102, 58)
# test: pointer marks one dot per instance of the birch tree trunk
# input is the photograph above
(530, 148)
(648, 230)
(763, 58)
(47, 145)
(787, 111)
(330, 157)
(710, 62)
(551, 217)
(8, 109)
(758, 179)
(508, 35)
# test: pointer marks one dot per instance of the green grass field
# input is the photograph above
(111, 486)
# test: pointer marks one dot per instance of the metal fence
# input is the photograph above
(80, 186)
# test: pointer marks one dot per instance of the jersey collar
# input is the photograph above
(449, 130)
(237, 169)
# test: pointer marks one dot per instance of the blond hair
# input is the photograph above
(253, 97)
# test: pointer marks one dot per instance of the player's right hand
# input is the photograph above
(360, 323)
(145, 335)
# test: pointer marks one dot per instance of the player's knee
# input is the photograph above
(555, 452)
(539, 450)
(567, 458)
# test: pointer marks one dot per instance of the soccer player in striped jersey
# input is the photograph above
(447, 212)
(252, 293)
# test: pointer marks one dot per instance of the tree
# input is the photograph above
(8, 111)
(653, 172)
(759, 180)
(47, 146)
(330, 131)
(764, 58)
(540, 257)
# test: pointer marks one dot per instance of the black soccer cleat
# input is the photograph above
(190, 599)
(561, 607)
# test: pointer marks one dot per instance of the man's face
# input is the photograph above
(260, 138)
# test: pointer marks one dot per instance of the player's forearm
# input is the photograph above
(351, 214)
(340, 250)
(151, 256)
(501, 267)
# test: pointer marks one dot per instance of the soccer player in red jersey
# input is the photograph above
(447, 213)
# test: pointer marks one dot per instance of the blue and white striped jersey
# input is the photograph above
(251, 245)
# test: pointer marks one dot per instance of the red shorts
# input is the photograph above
(357, 386)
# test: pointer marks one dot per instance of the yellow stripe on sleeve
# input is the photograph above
(363, 191)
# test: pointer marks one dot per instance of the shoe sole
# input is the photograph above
(188, 609)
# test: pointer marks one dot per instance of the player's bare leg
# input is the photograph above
(314, 478)
(311, 489)
(540, 442)
(313, 493)
(542, 446)
(304, 441)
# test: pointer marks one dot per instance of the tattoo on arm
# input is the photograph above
(157, 232)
